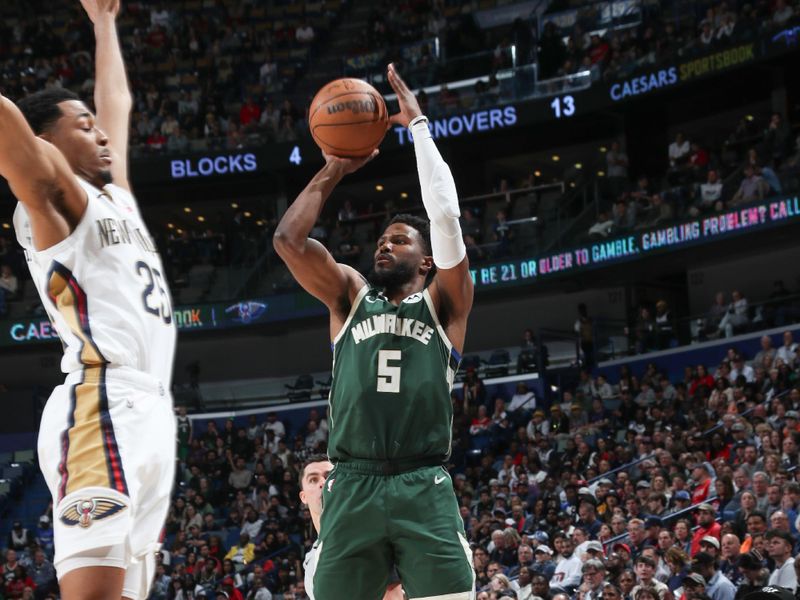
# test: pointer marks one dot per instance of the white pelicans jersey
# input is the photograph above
(104, 288)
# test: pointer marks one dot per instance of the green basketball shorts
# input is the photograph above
(372, 521)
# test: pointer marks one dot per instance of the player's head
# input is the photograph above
(312, 478)
(60, 117)
(403, 253)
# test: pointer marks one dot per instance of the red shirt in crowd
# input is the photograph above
(701, 532)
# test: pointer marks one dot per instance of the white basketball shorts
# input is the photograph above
(107, 452)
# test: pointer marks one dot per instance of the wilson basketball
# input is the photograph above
(348, 118)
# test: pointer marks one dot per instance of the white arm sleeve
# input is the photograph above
(439, 197)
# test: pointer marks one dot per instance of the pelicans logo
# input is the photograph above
(246, 312)
(87, 510)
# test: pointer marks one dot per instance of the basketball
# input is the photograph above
(348, 118)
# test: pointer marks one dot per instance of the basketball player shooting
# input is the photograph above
(107, 436)
(397, 339)
(312, 480)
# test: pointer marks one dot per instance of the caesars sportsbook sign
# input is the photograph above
(518, 272)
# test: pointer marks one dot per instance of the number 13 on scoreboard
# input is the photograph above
(563, 106)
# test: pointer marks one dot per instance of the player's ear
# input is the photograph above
(303, 497)
(427, 265)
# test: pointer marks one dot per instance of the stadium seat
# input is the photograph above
(498, 363)
(24, 456)
(301, 390)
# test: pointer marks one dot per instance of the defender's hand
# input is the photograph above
(348, 165)
(97, 9)
(409, 107)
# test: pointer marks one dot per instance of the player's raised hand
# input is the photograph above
(97, 9)
(349, 165)
(409, 107)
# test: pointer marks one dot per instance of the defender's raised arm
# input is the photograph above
(112, 96)
(38, 174)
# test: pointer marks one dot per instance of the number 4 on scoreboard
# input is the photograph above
(295, 157)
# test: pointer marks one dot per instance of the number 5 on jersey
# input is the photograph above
(389, 375)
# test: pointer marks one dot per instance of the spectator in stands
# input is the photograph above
(694, 587)
(718, 587)
(43, 574)
(707, 525)
(19, 538)
(567, 575)
(644, 331)
(664, 325)
(523, 403)
(780, 545)
(249, 113)
(787, 351)
(544, 564)
(679, 151)
(9, 286)
(708, 194)
(584, 327)
(736, 315)
(240, 476)
(645, 568)
(710, 545)
(44, 535)
(624, 215)
(594, 572)
(740, 368)
(730, 558)
(305, 33)
(752, 188)
(765, 357)
(782, 11)
(754, 574)
(616, 169)
(637, 537)
(524, 560)
(603, 227)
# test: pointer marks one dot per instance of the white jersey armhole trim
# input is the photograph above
(429, 301)
(67, 242)
(356, 302)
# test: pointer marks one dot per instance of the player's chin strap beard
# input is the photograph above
(390, 279)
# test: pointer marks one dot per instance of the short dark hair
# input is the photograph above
(784, 535)
(647, 561)
(41, 109)
(418, 223)
(314, 458)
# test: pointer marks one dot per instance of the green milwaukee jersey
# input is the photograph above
(393, 370)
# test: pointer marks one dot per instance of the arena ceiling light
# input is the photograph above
(234, 205)
(556, 157)
(404, 195)
(6, 226)
(201, 218)
(187, 210)
(379, 188)
(170, 226)
(537, 173)
(603, 149)
(578, 166)
(248, 214)
(601, 173)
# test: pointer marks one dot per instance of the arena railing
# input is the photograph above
(670, 517)
(265, 271)
(644, 337)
